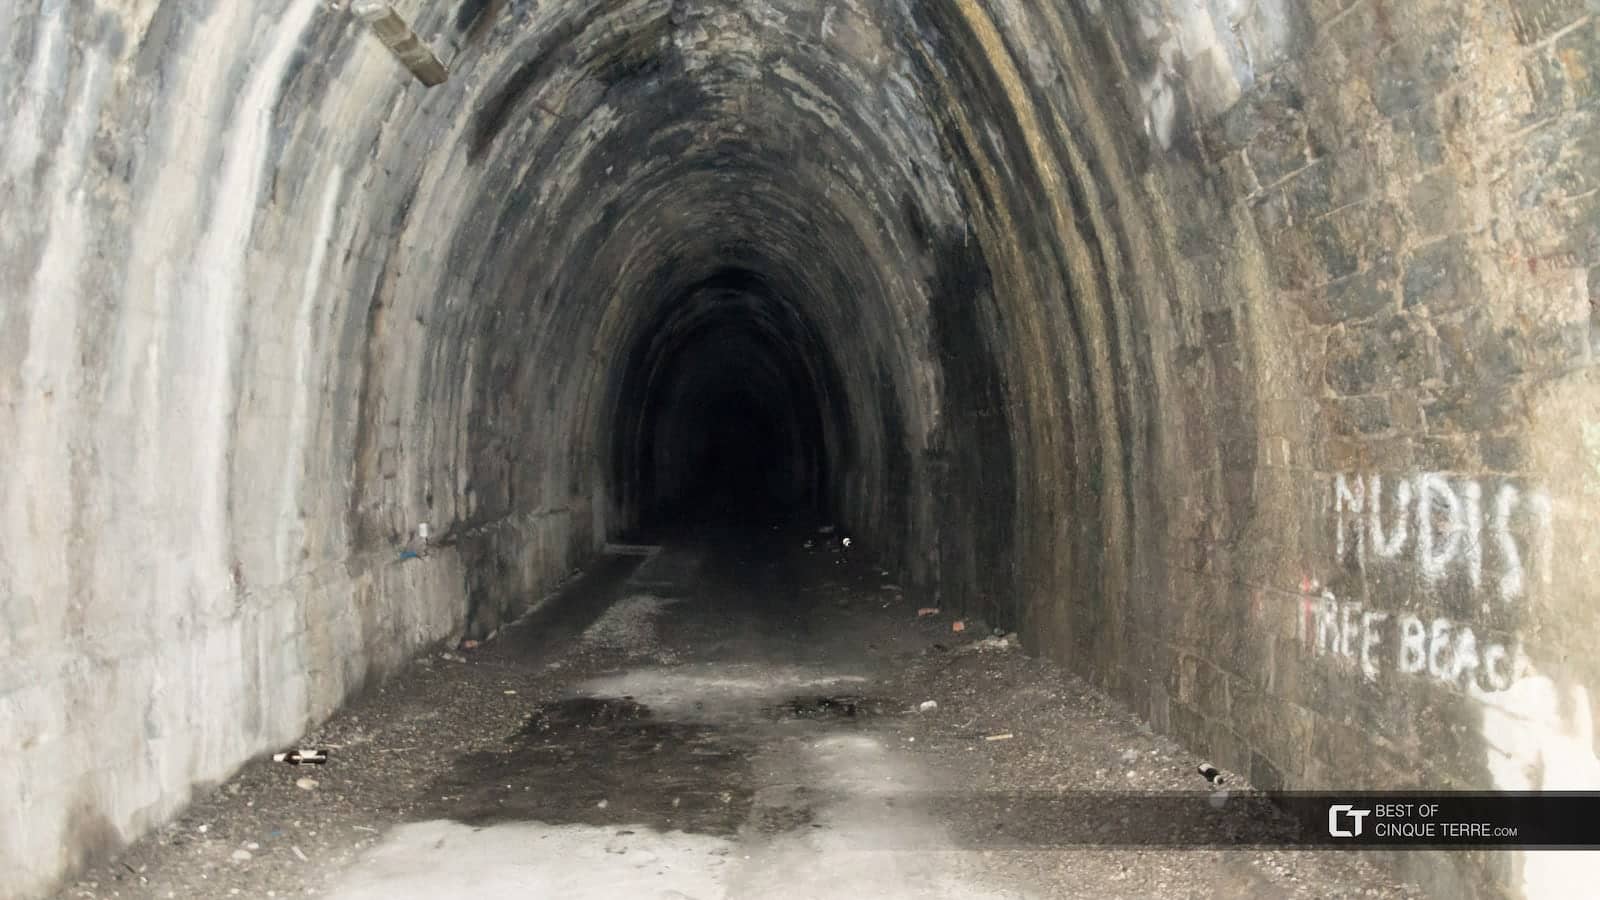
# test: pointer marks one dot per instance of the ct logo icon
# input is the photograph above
(1344, 810)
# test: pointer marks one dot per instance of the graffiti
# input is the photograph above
(1375, 641)
(1492, 539)
(1442, 527)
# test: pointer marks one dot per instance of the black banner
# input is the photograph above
(1448, 820)
(1222, 819)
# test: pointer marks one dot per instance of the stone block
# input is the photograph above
(1435, 205)
(1505, 453)
(1390, 352)
(1278, 147)
(1359, 296)
(1447, 453)
(1578, 56)
(1442, 276)
(1480, 408)
(1535, 20)
(1358, 415)
(1418, 131)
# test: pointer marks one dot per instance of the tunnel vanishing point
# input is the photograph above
(1241, 356)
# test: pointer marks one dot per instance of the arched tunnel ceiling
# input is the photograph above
(714, 137)
(1220, 349)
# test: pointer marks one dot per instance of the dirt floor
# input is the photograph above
(738, 716)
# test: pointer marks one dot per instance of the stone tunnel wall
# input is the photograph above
(1239, 354)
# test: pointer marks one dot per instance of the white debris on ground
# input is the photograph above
(991, 644)
(629, 626)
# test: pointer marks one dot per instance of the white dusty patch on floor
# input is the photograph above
(705, 691)
(530, 860)
(629, 626)
(866, 847)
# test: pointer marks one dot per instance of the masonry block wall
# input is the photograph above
(1239, 354)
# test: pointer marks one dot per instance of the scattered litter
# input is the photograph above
(306, 784)
(928, 706)
(203, 828)
(242, 855)
(809, 543)
(252, 845)
(509, 693)
(999, 737)
(602, 804)
(451, 657)
(409, 554)
(1009, 642)
(927, 611)
(1130, 756)
(302, 757)
(1210, 772)
(469, 645)
(365, 828)
(845, 543)
(958, 626)
(299, 853)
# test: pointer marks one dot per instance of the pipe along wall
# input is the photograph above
(1241, 356)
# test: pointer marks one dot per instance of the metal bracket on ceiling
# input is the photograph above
(402, 41)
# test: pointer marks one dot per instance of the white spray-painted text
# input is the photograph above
(1442, 527)
(1376, 641)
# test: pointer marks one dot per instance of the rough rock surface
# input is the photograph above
(1238, 355)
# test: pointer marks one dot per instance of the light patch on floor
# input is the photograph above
(861, 850)
(574, 862)
(629, 626)
(705, 691)
(860, 846)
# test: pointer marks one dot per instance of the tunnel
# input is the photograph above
(728, 410)
(1217, 377)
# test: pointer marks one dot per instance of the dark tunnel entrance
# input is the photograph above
(730, 412)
